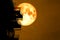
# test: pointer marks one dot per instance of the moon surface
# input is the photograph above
(28, 11)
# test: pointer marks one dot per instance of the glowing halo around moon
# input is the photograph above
(28, 11)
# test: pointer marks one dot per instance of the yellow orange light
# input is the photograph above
(29, 14)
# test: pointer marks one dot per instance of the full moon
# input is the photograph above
(28, 11)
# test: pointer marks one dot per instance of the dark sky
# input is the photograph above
(47, 24)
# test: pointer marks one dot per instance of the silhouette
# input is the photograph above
(7, 14)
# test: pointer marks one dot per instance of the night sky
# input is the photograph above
(47, 24)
